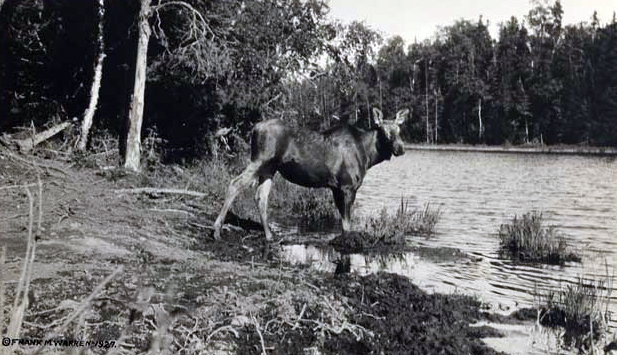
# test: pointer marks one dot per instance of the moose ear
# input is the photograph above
(377, 116)
(401, 116)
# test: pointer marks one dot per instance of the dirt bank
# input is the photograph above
(181, 292)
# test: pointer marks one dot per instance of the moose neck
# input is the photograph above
(376, 147)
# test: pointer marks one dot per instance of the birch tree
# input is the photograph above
(96, 83)
(197, 49)
(133, 141)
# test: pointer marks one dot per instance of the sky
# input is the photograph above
(421, 19)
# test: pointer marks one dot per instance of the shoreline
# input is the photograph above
(562, 150)
(233, 296)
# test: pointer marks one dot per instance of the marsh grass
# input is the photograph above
(527, 239)
(310, 207)
(580, 308)
(391, 228)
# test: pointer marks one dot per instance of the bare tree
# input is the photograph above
(96, 84)
(133, 142)
(197, 49)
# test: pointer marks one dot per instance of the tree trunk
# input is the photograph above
(133, 141)
(426, 99)
(96, 84)
(436, 109)
(380, 97)
(481, 128)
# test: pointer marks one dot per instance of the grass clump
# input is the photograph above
(391, 228)
(581, 309)
(312, 206)
(528, 239)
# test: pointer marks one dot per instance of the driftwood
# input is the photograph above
(25, 145)
(151, 190)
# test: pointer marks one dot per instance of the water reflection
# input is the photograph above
(477, 192)
(505, 286)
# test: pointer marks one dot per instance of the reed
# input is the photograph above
(581, 309)
(391, 228)
(527, 239)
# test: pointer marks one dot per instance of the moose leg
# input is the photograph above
(265, 183)
(236, 186)
(350, 197)
(343, 199)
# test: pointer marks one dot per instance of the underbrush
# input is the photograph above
(581, 309)
(527, 239)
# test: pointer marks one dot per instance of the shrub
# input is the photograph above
(527, 239)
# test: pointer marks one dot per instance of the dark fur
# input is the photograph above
(337, 159)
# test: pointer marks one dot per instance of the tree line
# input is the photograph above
(211, 65)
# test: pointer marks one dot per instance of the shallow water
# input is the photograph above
(477, 192)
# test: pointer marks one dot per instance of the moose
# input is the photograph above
(336, 159)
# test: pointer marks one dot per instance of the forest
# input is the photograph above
(224, 65)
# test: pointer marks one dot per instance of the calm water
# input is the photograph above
(477, 192)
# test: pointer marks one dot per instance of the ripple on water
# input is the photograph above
(479, 191)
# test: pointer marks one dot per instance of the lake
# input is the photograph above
(477, 192)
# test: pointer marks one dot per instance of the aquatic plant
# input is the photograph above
(580, 308)
(417, 221)
(391, 228)
(528, 239)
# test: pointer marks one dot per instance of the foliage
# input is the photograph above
(216, 64)
(527, 239)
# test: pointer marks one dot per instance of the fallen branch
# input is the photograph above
(33, 164)
(17, 186)
(151, 190)
(299, 318)
(21, 295)
(25, 145)
(261, 337)
(87, 301)
(2, 261)
(217, 330)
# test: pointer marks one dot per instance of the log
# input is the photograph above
(25, 145)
